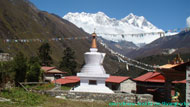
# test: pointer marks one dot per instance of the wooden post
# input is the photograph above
(23, 86)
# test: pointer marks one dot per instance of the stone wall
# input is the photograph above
(116, 97)
(128, 86)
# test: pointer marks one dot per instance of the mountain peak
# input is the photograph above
(104, 24)
(138, 21)
(131, 14)
(101, 13)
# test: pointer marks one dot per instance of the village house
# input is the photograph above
(51, 73)
(121, 84)
(155, 82)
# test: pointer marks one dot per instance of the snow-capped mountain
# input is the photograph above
(131, 24)
(139, 22)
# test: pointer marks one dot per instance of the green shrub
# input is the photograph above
(41, 87)
(65, 88)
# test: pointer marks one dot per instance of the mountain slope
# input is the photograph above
(122, 47)
(131, 24)
(20, 19)
(165, 45)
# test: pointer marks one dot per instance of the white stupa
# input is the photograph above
(92, 75)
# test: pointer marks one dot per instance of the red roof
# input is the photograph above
(147, 76)
(75, 79)
(116, 79)
(67, 80)
(154, 77)
(45, 68)
(183, 81)
(72, 77)
(52, 70)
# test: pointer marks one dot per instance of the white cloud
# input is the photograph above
(188, 21)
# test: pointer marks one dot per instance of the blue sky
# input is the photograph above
(165, 14)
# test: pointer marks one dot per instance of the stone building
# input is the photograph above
(154, 83)
(161, 83)
(121, 84)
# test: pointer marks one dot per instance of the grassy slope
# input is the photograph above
(19, 20)
(21, 98)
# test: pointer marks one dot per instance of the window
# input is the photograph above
(57, 76)
(92, 82)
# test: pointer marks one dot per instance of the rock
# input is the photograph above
(60, 97)
(4, 99)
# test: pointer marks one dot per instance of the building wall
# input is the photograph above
(72, 84)
(155, 89)
(5, 57)
(50, 77)
(128, 86)
(113, 86)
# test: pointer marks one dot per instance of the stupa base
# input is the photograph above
(92, 89)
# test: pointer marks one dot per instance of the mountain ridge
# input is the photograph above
(107, 26)
(165, 45)
(21, 20)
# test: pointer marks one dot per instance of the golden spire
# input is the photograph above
(178, 59)
(94, 40)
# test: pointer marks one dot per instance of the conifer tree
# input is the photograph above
(44, 54)
(2, 74)
(5, 74)
(68, 62)
(19, 67)
(33, 73)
